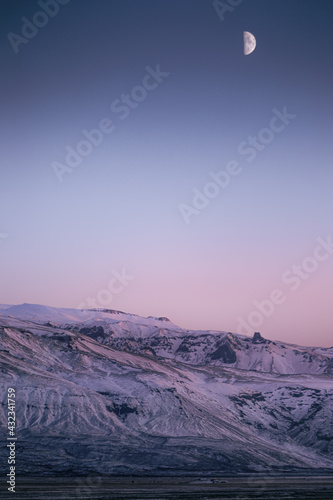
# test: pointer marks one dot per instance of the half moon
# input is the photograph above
(249, 42)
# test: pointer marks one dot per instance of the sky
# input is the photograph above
(149, 166)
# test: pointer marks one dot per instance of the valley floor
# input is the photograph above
(163, 488)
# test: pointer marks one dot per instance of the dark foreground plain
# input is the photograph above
(165, 488)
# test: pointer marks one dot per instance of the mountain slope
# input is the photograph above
(81, 400)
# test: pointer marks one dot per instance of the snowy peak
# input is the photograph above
(56, 315)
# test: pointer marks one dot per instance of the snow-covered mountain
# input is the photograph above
(160, 337)
(141, 395)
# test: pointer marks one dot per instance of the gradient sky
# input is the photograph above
(120, 207)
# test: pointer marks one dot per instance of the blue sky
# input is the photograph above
(119, 208)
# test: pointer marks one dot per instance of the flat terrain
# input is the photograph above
(162, 488)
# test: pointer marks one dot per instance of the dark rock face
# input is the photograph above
(183, 348)
(62, 338)
(94, 332)
(258, 339)
(187, 344)
(225, 353)
(122, 410)
(161, 318)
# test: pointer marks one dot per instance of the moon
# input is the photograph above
(249, 42)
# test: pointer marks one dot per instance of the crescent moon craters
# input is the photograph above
(249, 42)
